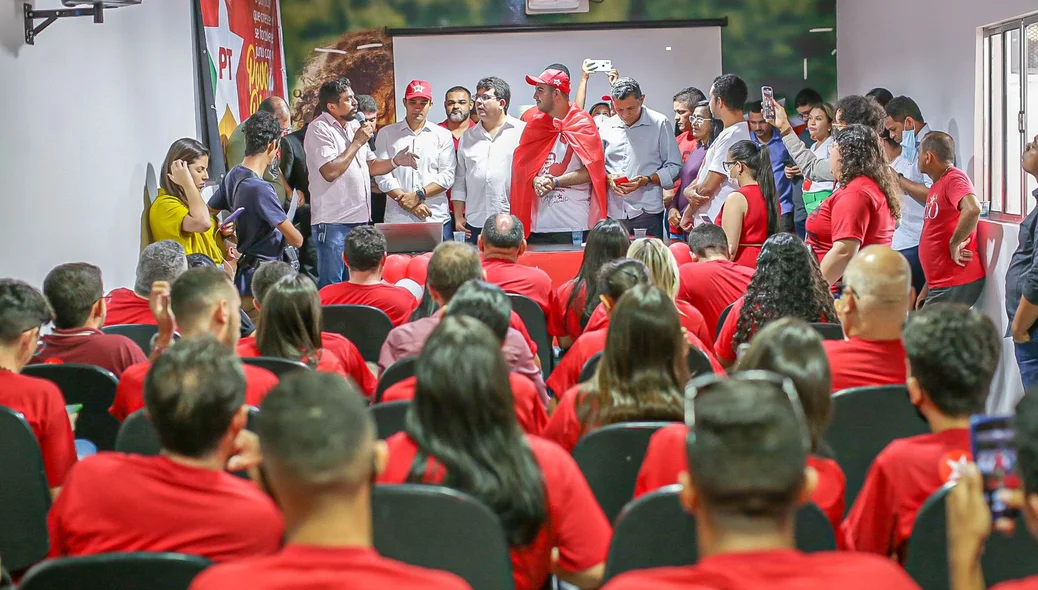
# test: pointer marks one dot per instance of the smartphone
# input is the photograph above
(230, 218)
(601, 65)
(622, 180)
(706, 219)
(74, 408)
(767, 109)
(994, 451)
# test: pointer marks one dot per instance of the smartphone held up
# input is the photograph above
(992, 439)
(767, 108)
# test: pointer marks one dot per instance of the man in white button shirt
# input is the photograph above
(417, 195)
(482, 182)
(339, 162)
(640, 147)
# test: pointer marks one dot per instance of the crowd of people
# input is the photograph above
(853, 215)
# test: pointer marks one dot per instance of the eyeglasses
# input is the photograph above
(106, 298)
(484, 98)
(728, 165)
(41, 345)
(701, 384)
(699, 119)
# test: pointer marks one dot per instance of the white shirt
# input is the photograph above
(648, 147)
(911, 227)
(565, 208)
(483, 177)
(347, 199)
(716, 155)
(436, 162)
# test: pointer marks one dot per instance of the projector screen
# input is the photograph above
(663, 61)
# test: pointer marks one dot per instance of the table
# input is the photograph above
(560, 262)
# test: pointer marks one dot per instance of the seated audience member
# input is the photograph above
(876, 298)
(23, 311)
(341, 348)
(319, 459)
(573, 302)
(711, 282)
(748, 472)
(641, 375)
(1022, 282)
(182, 500)
(365, 254)
(788, 347)
(948, 245)
(462, 433)
(952, 355)
(203, 261)
(77, 296)
(787, 284)
(162, 261)
(488, 304)
(502, 243)
(204, 303)
(750, 214)
(452, 265)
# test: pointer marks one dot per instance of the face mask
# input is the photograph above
(909, 148)
(600, 120)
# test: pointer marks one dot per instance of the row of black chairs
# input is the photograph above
(828, 331)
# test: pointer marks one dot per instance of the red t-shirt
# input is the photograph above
(691, 319)
(306, 567)
(900, 479)
(397, 302)
(129, 396)
(779, 569)
(754, 226)
(939, 223)
(857, 212)
(567, 373)
(575, 523)
(516, 278)
(687, 143)
(113, 502)
(564, 427)
(92, 347)
(710, 286)
(858, 362)
(529, 410)
(667, 456)
(126, 307)
(563, 320)
(43, 407)
(338, 355)
(1024, 584)
(724, 347)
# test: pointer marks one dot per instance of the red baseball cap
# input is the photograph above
(418, 89)
(607, 98)
(556, 78)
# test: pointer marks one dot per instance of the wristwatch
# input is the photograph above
(420, 193)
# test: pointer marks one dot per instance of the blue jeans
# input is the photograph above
(475, 231)
(918, 279)
(330, 240)
(1027, 360)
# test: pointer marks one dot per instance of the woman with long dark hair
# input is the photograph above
(749, 215)
(862, 211)
(573, 302)
(462, 433)
(787, 283)
(641, 375)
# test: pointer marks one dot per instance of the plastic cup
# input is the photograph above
(459, 236)
(578, 238)
(640, 233)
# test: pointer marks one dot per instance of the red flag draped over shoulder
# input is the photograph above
(578, 131)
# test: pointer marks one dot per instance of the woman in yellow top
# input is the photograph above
(179, 213)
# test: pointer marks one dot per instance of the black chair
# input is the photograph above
(125, 571)
(444, 529)
(279, 366)
(91, 386)
(590, 365)
(141, 334)
(720, 320)
(654, 531)
(536, 324)
(397, 372)
(828, 331)
(137, 434)
(390, 418)
(698, 363)
(610, 457)
(365, 326)
(865, 420)
(24, 494)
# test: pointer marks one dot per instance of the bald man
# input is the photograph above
(877, 296)
(501, 242)
(319, 459)
(235, 150)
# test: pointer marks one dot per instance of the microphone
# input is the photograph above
(360, 118)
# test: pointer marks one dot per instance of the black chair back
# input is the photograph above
(390, 418)
(828, 331)
(125, 571)
(397, 372)
(444, 529)
(280, 367)
(865, 420)
(590, 366)
(721, 319)
(365, 326)
(91, 386)
(137, 434)
(536, 324)
(654, 531)
(610, 457)
(24, 494)
(698, 363)
(141, 334)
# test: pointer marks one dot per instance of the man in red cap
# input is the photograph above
(418, 195)
(558, 171)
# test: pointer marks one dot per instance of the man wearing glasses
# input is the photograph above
(483, 177)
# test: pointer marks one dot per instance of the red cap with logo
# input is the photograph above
(555, 78)
(418, 89)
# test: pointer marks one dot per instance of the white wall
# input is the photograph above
(89, 112)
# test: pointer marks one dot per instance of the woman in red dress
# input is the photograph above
(749, 215)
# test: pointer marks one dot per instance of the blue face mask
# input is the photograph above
(909, 147)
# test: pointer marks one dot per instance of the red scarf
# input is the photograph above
(578, 131)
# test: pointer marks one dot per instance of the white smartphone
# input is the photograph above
(601, 65)
(706, 219)
(767, 109)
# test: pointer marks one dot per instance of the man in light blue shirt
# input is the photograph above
(765, 134)
(639, 144)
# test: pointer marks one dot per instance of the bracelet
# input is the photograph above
(554, 182)
(154, 343)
